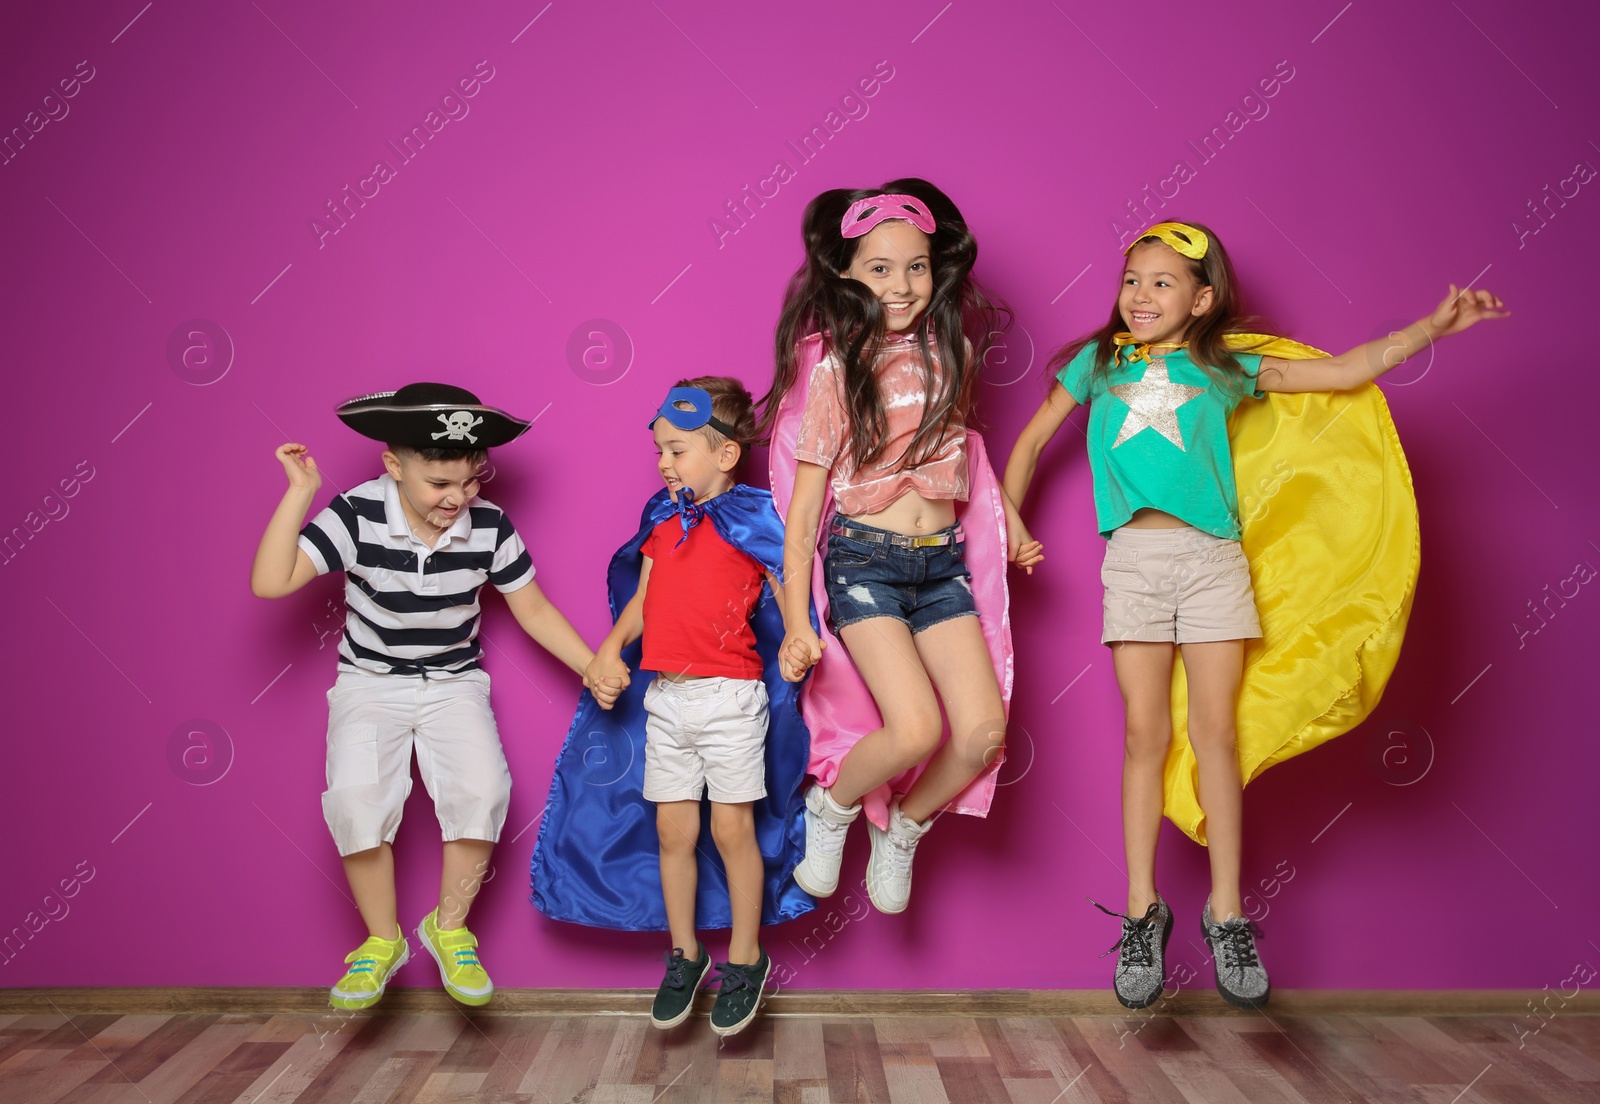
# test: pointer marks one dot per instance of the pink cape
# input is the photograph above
(835, 702)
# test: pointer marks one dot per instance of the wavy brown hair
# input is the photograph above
(852, 322)
(1206, 335)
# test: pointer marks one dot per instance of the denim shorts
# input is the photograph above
(874, 578)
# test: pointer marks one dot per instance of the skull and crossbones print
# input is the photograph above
(458, 426)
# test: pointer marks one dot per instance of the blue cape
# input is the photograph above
(597, 858)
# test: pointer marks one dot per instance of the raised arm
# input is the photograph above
(281, 566)
(1459, 311)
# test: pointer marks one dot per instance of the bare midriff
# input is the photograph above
(913, 516)
(1150, 518)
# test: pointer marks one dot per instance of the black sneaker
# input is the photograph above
(738, 994)
(1241, 978)
(1141, 958)
(675, 999)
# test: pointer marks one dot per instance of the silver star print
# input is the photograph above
(1153, 404)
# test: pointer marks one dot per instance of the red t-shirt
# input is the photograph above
(697, 603)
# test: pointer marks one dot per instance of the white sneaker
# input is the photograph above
(889, 868)
(826, 824)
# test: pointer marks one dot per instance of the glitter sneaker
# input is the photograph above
(1141, 954)
(1241, 977)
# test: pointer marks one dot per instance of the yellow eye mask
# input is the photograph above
(1184, 239)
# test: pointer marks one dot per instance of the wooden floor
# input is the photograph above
(541, 1059)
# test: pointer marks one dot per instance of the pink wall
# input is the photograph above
(1400, 152)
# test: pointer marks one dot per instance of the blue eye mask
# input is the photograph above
(698, 417)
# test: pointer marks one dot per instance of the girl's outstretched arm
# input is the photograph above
(802, 647)
(1022, 549)
(1459, 311)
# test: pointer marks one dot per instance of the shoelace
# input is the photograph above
(464, 956)
(899, 858)
(364, 964)
(731, 977)
(830, 836)
(1138, 935)
(1237, 944)
(678, 968)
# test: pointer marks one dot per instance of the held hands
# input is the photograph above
(608, 690)
(800, 651)
(299, 467)
(606, 677)
(1021, 548)
(1463, 309)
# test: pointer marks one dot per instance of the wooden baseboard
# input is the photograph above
(833, 1003)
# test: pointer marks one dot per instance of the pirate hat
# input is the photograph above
(430, 415)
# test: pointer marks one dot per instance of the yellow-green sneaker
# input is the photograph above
(371, 966)
(456, 952)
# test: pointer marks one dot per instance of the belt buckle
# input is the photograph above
(896, 540)
(933, 541)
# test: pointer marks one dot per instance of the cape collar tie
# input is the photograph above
(1141, 350)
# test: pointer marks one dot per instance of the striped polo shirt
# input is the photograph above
(411, 609)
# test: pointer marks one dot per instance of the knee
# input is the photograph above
(1212, 737)
(497, 793)
(679, 832)
(918, 732)
(985, 744)
(361, 818)
(1146, 738)
(477, 812)
(731, 826)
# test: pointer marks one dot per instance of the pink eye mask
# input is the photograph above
(864, 214)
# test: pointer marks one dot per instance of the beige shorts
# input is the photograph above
(705, 734)
(1178, 586)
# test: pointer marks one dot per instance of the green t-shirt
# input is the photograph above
(1158, 437)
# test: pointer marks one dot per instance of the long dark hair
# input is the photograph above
(1207, 334)
(852, 322)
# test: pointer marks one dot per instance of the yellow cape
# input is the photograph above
(1330, 530)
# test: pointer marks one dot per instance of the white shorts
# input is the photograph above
(705, 734)
(373, 723)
